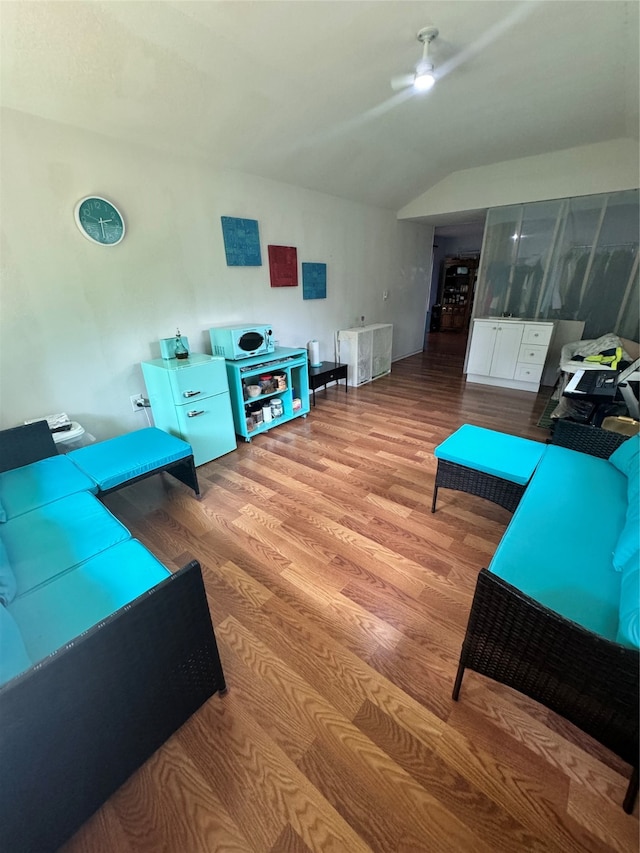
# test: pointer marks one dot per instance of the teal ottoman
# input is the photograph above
(486, 463)
(123, 460)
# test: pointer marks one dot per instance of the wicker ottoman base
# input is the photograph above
(449, 475)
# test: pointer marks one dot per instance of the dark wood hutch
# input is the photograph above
(457, 285)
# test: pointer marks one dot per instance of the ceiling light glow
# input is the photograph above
(424, 82)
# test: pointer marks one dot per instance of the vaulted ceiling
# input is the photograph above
(300, 91)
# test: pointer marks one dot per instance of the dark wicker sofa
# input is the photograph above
(589, 680)
(78, 723)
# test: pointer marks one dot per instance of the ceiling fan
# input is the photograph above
(423, 78)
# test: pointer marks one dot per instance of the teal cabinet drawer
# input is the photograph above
(198, 381)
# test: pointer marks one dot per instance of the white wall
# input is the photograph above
(77, 318)
(586, 170)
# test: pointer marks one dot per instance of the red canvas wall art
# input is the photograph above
(283, 266)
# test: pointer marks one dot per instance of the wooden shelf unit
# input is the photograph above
(457, 285)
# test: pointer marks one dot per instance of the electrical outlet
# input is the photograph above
(137, 401)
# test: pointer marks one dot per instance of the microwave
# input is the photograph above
(236, 342)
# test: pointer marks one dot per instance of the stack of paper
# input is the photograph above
(56, 423)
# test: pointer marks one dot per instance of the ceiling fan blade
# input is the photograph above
(401, 81)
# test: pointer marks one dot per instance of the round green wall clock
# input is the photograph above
(99, 220)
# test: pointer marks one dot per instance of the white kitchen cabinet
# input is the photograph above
(483, 341)
(508, 353)
(366, 351)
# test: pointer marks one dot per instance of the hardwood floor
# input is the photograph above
(339, 603)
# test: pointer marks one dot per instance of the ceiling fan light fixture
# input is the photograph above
(423, 77)
(423, 81)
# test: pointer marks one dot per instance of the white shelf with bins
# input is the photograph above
(367, 352)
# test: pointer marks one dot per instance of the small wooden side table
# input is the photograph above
(328, 371)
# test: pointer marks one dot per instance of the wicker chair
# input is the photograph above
(590, 681)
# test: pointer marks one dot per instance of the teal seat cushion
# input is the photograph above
(52, 539)
(506, 456)
(32, 486)
(14, 658)
(3, 513)
(53, 614)
(545, 552)
(118, 460)
(8, 585)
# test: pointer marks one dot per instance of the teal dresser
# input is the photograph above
(189, 398)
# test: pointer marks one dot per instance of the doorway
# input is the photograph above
(456, 257)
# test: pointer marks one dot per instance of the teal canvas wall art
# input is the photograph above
(314, 281)
(241, 242)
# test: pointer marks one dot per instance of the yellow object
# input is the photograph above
(610, 360)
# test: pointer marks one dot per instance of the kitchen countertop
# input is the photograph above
(515, 319)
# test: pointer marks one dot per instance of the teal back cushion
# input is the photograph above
(629, 615)
(627, 460)
(627, 456)
(7, 578)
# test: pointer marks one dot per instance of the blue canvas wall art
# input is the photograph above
(314, 281)
(241, 242)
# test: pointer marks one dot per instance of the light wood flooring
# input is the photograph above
(339, 602)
